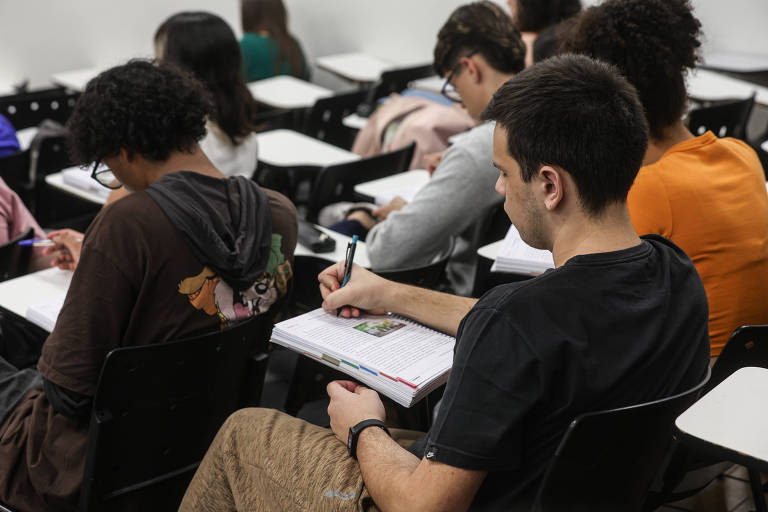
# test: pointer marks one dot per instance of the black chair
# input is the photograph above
(395, 80)
(723, 119)
(607, 460)
(431, 275)
(14, 169)
(336, 183)
(747, 346)
(28, 109)
(158, 407)
(14, 258)
(325, 121)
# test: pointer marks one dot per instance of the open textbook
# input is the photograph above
(520, 258)
(395, 356)
(44, 314)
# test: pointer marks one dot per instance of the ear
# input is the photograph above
(472, 68)
(551, 186)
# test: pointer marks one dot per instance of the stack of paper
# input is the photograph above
(77, 177)
(45, 314)
(393, 355)
(520, 258)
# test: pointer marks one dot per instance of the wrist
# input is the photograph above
(358, 431)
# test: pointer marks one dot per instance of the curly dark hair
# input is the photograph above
(147, 108)
(204, 44)
(481, 27)
(577, 113)
(652, 42)
(536, 15)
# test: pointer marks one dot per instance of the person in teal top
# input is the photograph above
(267, 47)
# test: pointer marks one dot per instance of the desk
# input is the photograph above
(732, 418)
(430, 84)
(490, 251)
(356, 67)
(737, 61)
(355, 121)
(287, 148)
(287, 92)
(16, 295)
(56, 180)
(338, 254)
(705, 85)
(403, 184)
(75, 80)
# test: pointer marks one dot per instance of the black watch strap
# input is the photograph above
(354, 433)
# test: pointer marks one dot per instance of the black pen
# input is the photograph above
(348, 265)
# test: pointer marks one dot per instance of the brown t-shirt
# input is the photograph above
(136, 283)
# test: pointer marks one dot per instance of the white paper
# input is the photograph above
(517, 256)
(44, 314)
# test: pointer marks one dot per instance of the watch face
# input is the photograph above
(349, 439)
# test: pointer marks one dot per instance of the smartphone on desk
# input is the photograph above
(314, 239)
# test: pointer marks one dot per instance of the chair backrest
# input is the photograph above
(14, 258)
(607, 460)
(336, 183)
(14, 169)
(326, 118)
(723, 119)
(429, 275)
(28, 109)
(395, 80)
(156, 410)
(747, 346)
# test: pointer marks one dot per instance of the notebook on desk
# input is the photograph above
(78, 178)
(44, 314)
(396, 356)
(515, 256)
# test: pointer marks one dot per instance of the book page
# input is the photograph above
(382, 343)
(46, 313)
(521, 255)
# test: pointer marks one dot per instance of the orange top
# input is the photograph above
(708, 196)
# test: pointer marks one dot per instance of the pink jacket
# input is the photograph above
(14, 216)
(426, 122)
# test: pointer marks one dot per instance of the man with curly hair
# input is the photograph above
(704, 193)
(187, 252)
(600, 331)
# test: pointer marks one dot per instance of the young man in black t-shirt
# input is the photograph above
(621, 320)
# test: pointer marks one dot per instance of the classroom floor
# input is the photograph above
(729, 493)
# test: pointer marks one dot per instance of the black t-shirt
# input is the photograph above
(603, 331)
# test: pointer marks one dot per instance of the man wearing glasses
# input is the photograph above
(185, 252)
(477, 50)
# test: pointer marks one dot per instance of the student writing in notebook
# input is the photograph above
(601, 330)
(189, 251)
(478, 49)
(706, 194)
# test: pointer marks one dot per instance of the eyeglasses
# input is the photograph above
(104, 176)
(448, 90)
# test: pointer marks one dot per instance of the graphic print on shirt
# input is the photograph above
(210, 294)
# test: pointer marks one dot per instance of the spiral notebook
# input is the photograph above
(394, 355)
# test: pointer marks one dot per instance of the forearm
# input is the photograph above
(399, 481)
(437, 310)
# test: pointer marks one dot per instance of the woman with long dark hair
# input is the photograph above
(205, 45)
(268, 48)
(542, 23)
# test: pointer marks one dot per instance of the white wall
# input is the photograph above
(39, 37)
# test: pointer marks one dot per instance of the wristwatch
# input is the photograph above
(354, 432)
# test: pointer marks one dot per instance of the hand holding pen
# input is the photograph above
(65, 246)
(349, 260)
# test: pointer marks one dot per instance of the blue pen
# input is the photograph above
(36, 242)
(351, 246)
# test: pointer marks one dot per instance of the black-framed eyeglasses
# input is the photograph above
(448, 90)
(104, 176)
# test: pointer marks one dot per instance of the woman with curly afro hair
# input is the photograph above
(704, 193)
